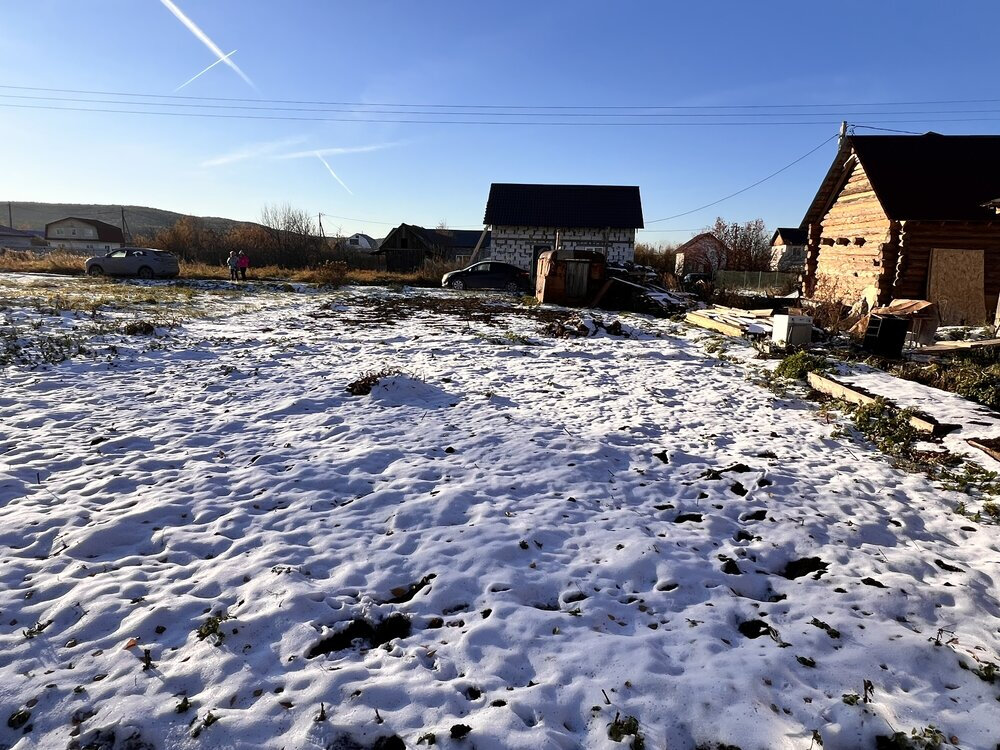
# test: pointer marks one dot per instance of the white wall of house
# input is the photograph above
(73, 234)
(516, 244)
(75, 244)
(788, 258)
(361, 242)
(70, 229)
(16, 242)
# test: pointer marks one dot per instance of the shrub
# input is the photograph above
(797, 366)
(627, 726)
(331, 273)
(973, 374)
(886, 426)
(363, 385)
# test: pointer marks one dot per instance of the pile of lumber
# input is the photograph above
(732, 321)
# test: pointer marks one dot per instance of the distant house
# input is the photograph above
(360, 242)
(526, 220)
(703, 253)
(788, 249)
(16, 239)
(75, 233)
(909, 216)
(407, 246)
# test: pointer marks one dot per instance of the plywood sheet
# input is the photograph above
(957, 285)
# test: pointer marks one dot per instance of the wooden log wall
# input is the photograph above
(856, 239)
(920, 238)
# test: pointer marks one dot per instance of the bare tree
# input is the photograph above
(293, 233)
(748, 244)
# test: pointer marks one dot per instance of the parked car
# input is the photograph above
(690, 279)
(144, 262)
(489, 275)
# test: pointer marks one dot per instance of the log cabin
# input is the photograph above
(908, 217)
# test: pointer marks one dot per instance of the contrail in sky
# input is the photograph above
(204, 39)
(320, 157)
(199, 75)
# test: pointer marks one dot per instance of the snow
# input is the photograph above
(577, 501)
(973, 420)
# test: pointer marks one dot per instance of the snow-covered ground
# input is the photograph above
(549, 532)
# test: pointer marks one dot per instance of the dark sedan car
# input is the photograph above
(489, 275)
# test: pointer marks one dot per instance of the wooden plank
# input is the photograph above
(989, 446)
(952, 347)
(856, 395)
(703, 321)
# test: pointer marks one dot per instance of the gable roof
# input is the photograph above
(698, 239)
(452, 238)
(105, 232)
(589, 206)
(11, 232)
(928, 177)
(791, 235)
(445, 239)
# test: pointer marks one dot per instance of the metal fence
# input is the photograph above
(757, 280)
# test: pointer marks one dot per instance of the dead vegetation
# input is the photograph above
(371, 311)
(330, 273)
(364, 384)
(974, 374)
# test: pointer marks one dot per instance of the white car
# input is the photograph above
(144, 262)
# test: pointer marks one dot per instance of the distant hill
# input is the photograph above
(141, 219)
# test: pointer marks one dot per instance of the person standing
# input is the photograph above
(233, 262)
(244, 264)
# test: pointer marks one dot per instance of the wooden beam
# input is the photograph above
(479, 244)
(989, 446)
(854, 395)
(703, 321)
(953, 347)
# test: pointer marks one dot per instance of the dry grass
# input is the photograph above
(57, 261)
(332, 273)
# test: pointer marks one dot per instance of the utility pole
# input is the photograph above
(843, 132)
(126, 234)
(10, 216)
(319, 218)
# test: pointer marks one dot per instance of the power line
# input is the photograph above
(561, 123)
(885, 130)
(492, 114)
(506, 106)
(748, 187)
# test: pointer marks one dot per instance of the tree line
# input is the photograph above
(284, 236)
(746, 247)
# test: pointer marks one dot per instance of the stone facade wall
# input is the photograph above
(516, 244)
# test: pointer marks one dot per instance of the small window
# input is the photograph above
(480, 268)
(74, 233)
(354, 241)
(404, 243)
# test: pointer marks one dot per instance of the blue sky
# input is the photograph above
(534, 54)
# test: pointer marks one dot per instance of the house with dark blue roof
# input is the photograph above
(16, 239)
(526, 220)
